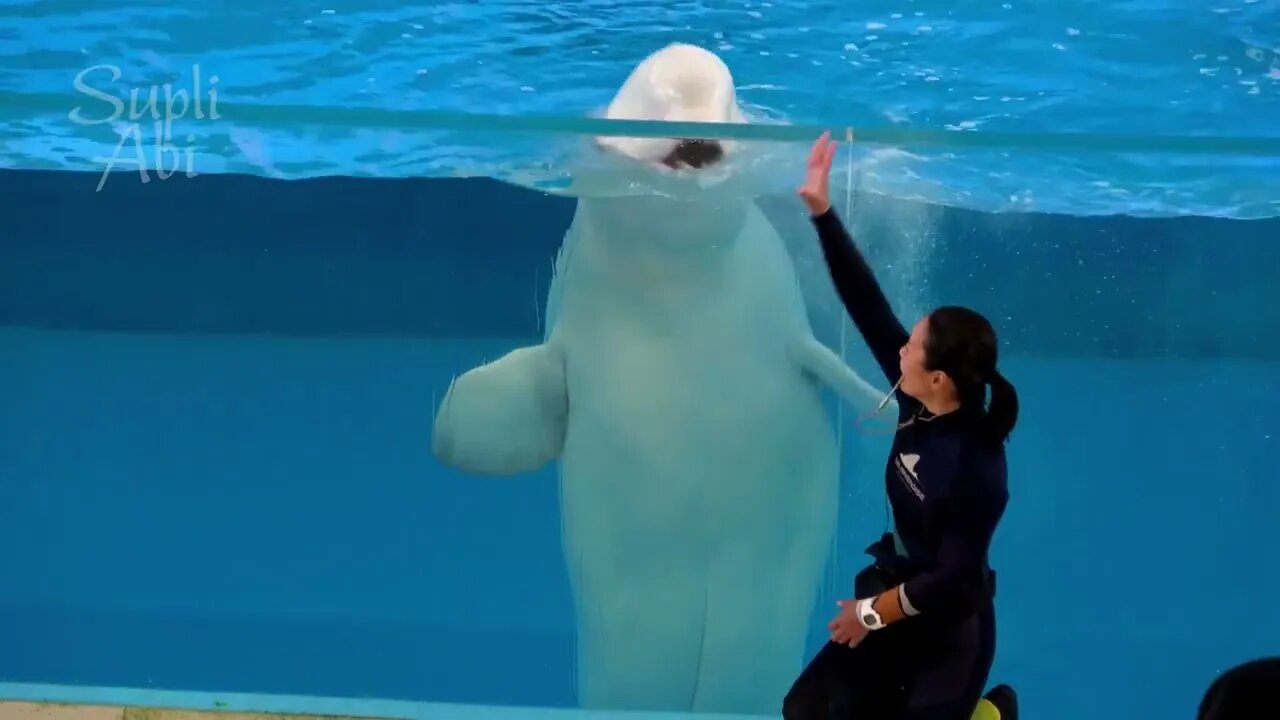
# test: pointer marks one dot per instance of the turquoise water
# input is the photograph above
(1164, 67)
(218, 478)
(216, 392)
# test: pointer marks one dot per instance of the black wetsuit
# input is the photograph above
(948, 491)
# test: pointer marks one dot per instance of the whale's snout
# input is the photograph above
(679, 83)
(694, 154)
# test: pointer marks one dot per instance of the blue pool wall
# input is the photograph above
(368, 256)
(293, 534)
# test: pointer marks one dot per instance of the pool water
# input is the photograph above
(216, 392)
(219, 476)
(1128, 69)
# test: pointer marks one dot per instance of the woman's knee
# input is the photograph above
(802, 705)
(810, 695)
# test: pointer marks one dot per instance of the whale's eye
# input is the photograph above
(694, 154)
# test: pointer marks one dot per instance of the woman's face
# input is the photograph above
(917, 381)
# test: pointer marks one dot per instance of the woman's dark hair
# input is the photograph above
(962, 344)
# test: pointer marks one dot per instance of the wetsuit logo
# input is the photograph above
(905, 464)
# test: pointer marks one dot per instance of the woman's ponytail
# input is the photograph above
(1002, 413)
(962, 344)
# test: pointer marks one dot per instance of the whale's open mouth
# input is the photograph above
(702, 158)
(694, 154)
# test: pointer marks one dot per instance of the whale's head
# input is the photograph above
(677, 83)
(681, 193)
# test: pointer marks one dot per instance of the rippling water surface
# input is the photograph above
(1138, 67)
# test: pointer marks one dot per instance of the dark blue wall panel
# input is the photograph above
(243, 254)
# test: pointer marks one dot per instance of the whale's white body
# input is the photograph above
(679, 388)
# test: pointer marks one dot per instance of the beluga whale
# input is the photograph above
(679, 389)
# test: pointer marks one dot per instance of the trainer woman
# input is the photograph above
(922, 646)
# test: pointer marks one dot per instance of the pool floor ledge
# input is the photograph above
(62, 702)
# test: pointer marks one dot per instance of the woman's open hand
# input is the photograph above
(816, 191)
(846, 628)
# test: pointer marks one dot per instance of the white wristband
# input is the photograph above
(868, 616)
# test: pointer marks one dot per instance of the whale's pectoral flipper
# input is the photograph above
(504, 417)
(818, 360)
